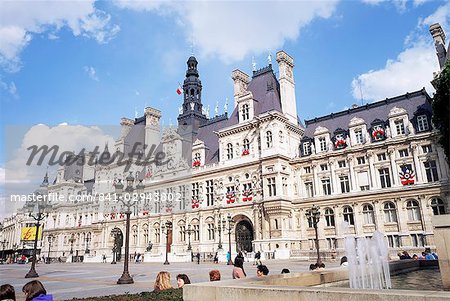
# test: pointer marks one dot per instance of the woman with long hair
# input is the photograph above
(35, 291)
(238, 270)
(162, 281)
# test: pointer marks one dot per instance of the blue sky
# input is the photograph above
(93, 62)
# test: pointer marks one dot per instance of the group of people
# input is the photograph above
(426, 255)
(33, 290)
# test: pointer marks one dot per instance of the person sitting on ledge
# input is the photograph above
(162, 281)
(35, 291)
(285, 271)
(182, 279)
(262, 270)
(7, 292)
(344, 261)
(320, 266)
(214, 275)
(238, 270)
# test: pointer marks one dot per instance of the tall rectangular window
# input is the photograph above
(359, 136)
(361, 160)
(326, 186)
(427, 149)
(323, 144)
(345, 184)
(417, 240)
(431, 171)
(422, 123)
(195, 190)
(306, 148)
(393, 241)
(399, 127)
(285, 185)
(323, 167)
(309, 189)
(271, 186)
(341, 163)
(307, 169)
(182, 195)
(209, 193)
(385, 179)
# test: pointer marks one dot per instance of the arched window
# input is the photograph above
(269, 140)
(329, 217)
(438, 206)
(413, 209)
(281, 136)
(157, 233)
(348, 215)
(390, 214)
(145, 229)
(134, 231)
(245, 112)
(229, 151)
(369, 218)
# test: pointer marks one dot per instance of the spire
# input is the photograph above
(45, 181)
(269, 58)
(253, 64)
(225, 106)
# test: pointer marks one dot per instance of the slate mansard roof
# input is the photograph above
(411, 102)
(266, 94)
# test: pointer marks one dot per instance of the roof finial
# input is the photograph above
(216, 109)
(225, 106)
(135, 112)
(269, 58)
(192, 46)
(253, 64)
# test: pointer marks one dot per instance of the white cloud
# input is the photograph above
(411, 70)
(232, 31)
(21, 20)
(399, 4)
(91, 72)
(9, 87)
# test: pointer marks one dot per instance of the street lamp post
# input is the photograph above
(128, 201)
(229, 228)
(166, 229)
(71, 240)
(50, 239)
(38, 217)
(87, 243)
(3, 249)
(189, 232)
(313, 216)
(220, 228)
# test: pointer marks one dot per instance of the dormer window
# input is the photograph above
(322, 144)
(269, 139)
(359, 136)
(229, 151)
(422, 123)
(245, 112)
(306, 148)
(399, 127)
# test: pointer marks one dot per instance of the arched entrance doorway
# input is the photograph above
(117, 236)
(244, 236)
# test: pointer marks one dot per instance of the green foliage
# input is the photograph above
(167, 295)
(441, 109)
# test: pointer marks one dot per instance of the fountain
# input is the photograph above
(368, 261)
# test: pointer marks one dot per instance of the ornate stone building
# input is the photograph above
(376, 167)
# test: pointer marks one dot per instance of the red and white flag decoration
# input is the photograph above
(179, 90)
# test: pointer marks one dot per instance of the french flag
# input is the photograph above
(179, 90)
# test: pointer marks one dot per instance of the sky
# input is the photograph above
(69, 70)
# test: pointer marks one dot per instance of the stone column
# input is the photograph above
(395, 178)
(373, 180)
(441, 224)
(350, 160)
(442, 164)
(315, 179)
(414, 151)
(333, 180)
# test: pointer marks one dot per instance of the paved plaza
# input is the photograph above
(68, 280)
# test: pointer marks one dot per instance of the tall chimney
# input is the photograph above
(152, 128)
(287, 86)
(241, 81)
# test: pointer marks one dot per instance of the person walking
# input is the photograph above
(104, 258)
(257, 258)
(198, 258)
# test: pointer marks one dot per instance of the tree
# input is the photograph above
(441, 109)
